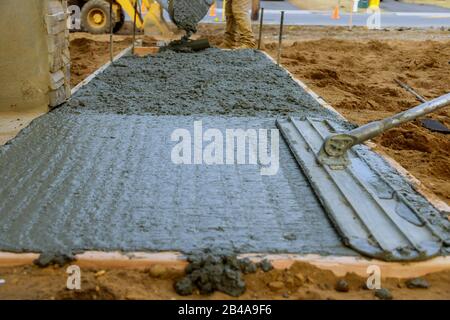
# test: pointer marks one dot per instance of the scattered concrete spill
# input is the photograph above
(96, 173)
(208, 272)
(54, 258)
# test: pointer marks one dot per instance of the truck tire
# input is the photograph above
(95, 17)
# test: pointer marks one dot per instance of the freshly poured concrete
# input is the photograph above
(101, 176)
(212, 82)
(107, 182)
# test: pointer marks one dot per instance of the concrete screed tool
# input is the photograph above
(371, 215)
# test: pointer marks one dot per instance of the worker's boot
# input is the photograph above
(231, 32)
(240, 9)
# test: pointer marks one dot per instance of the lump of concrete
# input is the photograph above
(265, 265)
(209, 273)
(417, 283)
(186, 46)
(53, 258)
(184, 287)
(247, 266)
(383, 294)
(342, 286)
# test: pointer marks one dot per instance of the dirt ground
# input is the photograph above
(301, 281)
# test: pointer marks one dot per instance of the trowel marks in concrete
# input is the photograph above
(106, 182)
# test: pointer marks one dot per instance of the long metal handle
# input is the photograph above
(373, 129)
(336, 145)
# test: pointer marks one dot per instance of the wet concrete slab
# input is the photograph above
(96, 174)
(107, 182)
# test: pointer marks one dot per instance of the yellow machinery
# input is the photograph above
(95, 14)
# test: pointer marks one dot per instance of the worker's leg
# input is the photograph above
(231, 32)
(241, 16)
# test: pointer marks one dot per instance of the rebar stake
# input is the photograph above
(261, 21)
(134, 26)
(111, 33)
(280, 40)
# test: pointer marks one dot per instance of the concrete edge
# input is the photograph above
(177, 261)
(9, 123)
(415, 183)
(99, 70)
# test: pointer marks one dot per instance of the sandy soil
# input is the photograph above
(301, 281)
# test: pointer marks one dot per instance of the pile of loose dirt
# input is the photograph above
(357, 78)
(300, 281)
(87, 55)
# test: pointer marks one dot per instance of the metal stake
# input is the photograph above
(280, 40)
(261, 21)
(134, 25)
(411, 90)
(110, 32)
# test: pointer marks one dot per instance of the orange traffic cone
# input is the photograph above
(335, 15)
(213, 10)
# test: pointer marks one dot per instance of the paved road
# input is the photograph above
(397, 6)
(407, 16)
(386, 5)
